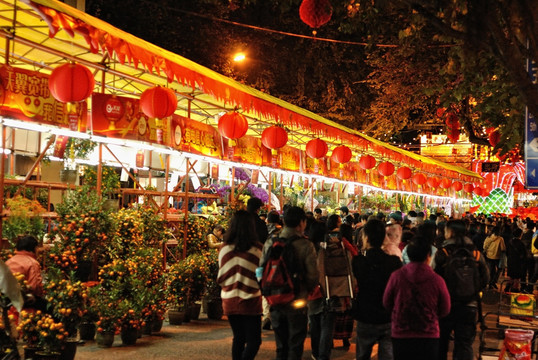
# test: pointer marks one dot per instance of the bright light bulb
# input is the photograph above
(239, 57)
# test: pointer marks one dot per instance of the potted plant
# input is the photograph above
(28, 330)
(75, 149)
(110, 183)
(51, 335)
(82, 228)
(23, 218)
(104, 303)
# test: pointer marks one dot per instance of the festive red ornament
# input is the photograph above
(433, 181)
(478, 191)
(468, 188)
(457, 186)
(419, 179)
(367, 162)
(233, 125)
(71, 82)
(440, 112)
(158, 102)
(445, 183)
(494, 138)
(315, 13)
(404, 173)
(274, 137)
(316, 148)
(452, 121)
(385, 168)
(341, 154)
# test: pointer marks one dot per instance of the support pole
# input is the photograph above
(186, 210)
(232, 186)
(2, 170)
(38, 160)
(166, 177)
(269, 188)
(282, 191)
(100, 170)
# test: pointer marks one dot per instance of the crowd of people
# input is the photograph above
(395, 277)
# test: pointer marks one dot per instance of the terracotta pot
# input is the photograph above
(176, 317)
(105, 339)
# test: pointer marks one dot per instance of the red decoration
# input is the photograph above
(341, 154)
(433, 182)
(404, 173)
(71, 82)
(158, 102)
(274, 137)
(440, 112)
(419, 179)
(316, 148)
(315, 13)
(494, 138)
(385, 168)
(478, 191)
(452, 121)
(468, 188)
(140, 158)
(445, 183)
(457, 186)
(233, 125)
(367, 162)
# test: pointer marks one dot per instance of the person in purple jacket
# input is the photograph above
(416, 297)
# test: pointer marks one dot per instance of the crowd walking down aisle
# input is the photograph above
(350, 287)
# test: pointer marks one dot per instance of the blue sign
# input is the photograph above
(531, 137)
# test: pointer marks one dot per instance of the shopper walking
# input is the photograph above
(416, 297)
(241, 297)
(494, 247)
(372, 272)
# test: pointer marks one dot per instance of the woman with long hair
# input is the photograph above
(241, 296)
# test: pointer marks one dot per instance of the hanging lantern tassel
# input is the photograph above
(316, 166)
(72, 116)
(159, 130)
(231, 150)
(341, 166)
(274, 157)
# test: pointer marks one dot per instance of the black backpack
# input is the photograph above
(462, 275)
(280, 278)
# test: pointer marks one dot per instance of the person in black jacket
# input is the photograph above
(253, 206)
(372, 272)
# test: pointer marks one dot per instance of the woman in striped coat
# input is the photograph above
(241, 297)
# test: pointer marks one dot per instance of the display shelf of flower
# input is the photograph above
(23, 219)
(82, 228)
(68, 299)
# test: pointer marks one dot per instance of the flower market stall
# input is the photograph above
(163, 141)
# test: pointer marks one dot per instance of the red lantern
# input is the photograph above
(385, 168)
(494, 138)
(419, 179)
(404, 173)
(367, 162)
(452, 121)
(433, 182)
(233, 125)
(341, 154)
(315, 13)
(316, 148)
(478, 191)
(158, 102)
(71, 82)
(457, 186)
(468, 188)
(274, 137)
(445, 183)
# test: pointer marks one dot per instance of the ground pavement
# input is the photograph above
(210, 339)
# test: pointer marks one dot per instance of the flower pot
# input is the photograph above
(129, 336)
(30, 351)
(176, 317)
(214, 309)
(69, 350)
(68, 176)
(194, 311)
(156, 325)
(146, 330)
(87, 330)
(105, 339)
(45, 355)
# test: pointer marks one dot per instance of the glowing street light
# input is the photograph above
(239, 57)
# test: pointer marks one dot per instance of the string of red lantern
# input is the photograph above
(385, 168)
(457, 186)
(341, 155)
(316, 149)
(468, 188)
(232, 126)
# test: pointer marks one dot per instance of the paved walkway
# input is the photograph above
(211, 339)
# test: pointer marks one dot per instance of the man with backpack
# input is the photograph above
(465, 272)
(290, 273)
(372, 271)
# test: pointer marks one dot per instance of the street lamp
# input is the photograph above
(239, 57)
